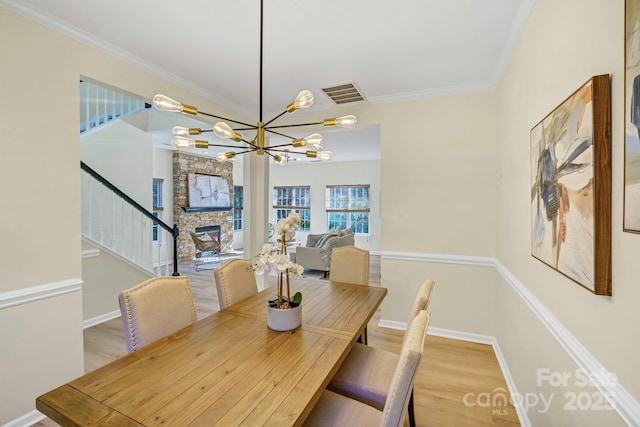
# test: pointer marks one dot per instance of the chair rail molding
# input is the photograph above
(90, 253)
(622, 402)
(439, 258)
(41, 292)
(627, 407)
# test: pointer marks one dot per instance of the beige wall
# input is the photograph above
(104, 277)
(41, 177)
(440, 200)
(438, 196)
(563, 44)
(122, 154)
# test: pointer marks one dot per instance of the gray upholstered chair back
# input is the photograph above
(235, 281)
(155, 308)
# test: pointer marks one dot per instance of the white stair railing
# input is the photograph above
(100, 105)
(115, 223)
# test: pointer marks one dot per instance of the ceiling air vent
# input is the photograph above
(343, 94)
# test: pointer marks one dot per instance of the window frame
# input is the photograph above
(347, 210)
(238, 210)
(158, 208)
(304, 210)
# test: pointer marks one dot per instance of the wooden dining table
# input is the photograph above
(226, 369)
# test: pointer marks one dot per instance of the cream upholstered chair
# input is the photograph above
(349, 264)
(235, 281)
(367, 372)
(155, 308)
(334, 409)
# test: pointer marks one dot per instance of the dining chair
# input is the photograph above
(235, 281)
(349, 264)
(334, 409)
(367, 372)
(155, 308)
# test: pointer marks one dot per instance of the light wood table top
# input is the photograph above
(226, 369)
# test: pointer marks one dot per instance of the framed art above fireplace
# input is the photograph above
(208, 193)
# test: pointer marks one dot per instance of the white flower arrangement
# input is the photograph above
(275, 258)
(268, 259)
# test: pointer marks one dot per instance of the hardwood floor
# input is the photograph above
(452, 375)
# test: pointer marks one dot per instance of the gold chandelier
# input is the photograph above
(280, 153)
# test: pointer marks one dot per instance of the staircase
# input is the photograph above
(99, 105)
(111, 219)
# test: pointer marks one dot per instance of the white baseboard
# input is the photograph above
(100, 319)
(493, 342)
(477, 338)
(624, 404)
(26, 420)
(392, 324)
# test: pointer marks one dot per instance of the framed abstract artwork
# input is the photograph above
(208, 191)
(631, 220)
(571, 187)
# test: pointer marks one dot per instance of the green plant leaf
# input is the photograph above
(297, 298)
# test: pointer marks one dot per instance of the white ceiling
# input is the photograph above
(391, 50)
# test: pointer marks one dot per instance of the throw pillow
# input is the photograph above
(326, 249)
(324, 238)
(312, 240)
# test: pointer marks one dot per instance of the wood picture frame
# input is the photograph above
(631, 211)
(571, 187)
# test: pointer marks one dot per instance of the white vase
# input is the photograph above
(284, 319)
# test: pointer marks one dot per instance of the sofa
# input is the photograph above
(316, 254)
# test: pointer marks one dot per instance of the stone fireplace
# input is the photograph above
(183, 165)
(213, 231)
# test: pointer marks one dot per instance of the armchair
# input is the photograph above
(203, 246)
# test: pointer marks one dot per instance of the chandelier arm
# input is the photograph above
(279, 134)
(266, 150)
(227, 120)
(224, 146)
(254, 146)
(249, 128)
(276, 118)
(290, 126)
(278, 146)
(281, 150)
(245, 151)
(304, 153)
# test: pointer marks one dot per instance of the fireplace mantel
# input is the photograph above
(206, 209)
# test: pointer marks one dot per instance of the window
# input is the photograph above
(158, 204)
(293, 199)
(237, 207)
(348, 206)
